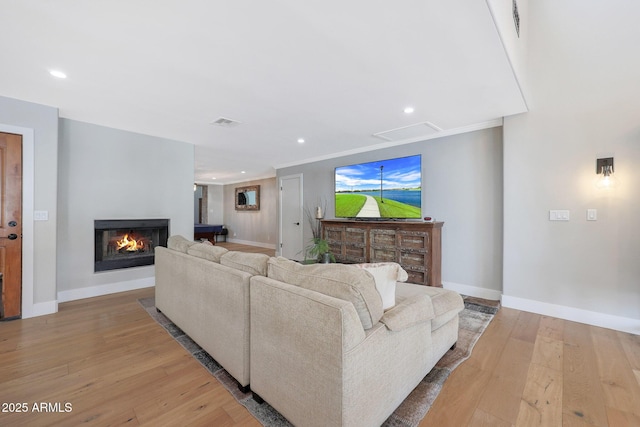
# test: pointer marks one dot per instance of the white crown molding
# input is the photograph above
(448, 132)
(252, 179)
(209, 183)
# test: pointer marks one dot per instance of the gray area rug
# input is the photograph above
(474, 319)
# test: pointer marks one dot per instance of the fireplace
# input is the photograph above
(124, 243)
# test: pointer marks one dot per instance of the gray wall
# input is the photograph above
(44, 122)
(252, 227)
(462, 186)
(113, 174)
(584, 104)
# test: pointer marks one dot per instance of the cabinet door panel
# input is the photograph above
(413, 260)
(413, 240)
(388, 254)
(355, 254)
(418, 277)
(334, 234)
(383, 238)
(355, 236)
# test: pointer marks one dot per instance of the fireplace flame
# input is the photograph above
(128, 244)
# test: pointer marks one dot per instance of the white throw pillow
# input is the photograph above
(386, 274)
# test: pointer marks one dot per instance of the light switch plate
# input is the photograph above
(41, 215)
(592, 214)
(559, 215)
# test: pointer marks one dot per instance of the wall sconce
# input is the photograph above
(605, 167)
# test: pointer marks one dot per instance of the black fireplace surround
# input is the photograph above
(111, 234)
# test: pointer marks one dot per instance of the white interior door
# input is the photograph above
(291, 217)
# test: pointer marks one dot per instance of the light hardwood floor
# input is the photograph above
(114, 365)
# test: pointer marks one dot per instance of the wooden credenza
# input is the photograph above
(416, 246)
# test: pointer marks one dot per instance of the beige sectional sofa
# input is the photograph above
(323, 351)
(204, 290)
(312, 340)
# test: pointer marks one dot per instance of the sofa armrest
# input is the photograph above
(408, 313)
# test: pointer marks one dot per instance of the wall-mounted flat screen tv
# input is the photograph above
(383, 189)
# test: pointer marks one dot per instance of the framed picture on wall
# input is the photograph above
(248, 198)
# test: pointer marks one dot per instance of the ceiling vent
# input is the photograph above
(408, 132)
(225, 122)
(516, 17)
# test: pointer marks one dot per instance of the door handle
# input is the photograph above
(296, 223)
(12, 236)
(12, 223)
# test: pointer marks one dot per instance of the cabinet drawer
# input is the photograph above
(413, 240)
(383, 238)
(414, 260)
(382, 254)
(418, 277)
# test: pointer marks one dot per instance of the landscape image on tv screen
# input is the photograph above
(382, 189)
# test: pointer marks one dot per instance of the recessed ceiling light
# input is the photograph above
(408, 110)
(300, 140)
(58, 74)
(243, 172)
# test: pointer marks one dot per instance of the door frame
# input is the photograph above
(280, 179)
(28, 180)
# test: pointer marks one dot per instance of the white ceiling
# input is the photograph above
(332, 72)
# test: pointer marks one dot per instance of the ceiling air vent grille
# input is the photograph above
(417, 130)
(225, 122)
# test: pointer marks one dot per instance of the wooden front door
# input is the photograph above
(11, 225)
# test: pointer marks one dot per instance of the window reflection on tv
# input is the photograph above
(383, 189)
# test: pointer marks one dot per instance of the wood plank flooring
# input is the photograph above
(531, 370)
(111, 364)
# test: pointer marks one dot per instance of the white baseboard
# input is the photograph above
(40, 309)
(250, 243)
(593, 318)
(473, 291)
(111, 288)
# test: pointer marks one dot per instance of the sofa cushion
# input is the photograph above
(337, 280)
(207, 251)
(386, 274)
(446, 303)
(255, 264)
(179, 243)
(409, 312)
